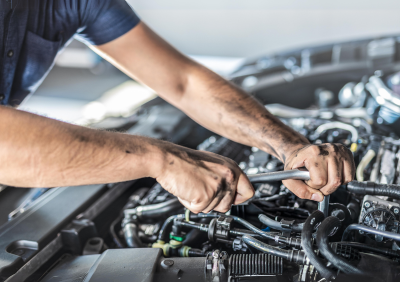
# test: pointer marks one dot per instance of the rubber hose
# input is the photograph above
(329, 225)
(163, 235)
(366, 229)
(160, 210)
(292, 256)
(195, 236)
(306, 242)
(252, 227)
(354, 209)
(131, 236)
(208, 215)
(337, 124)
(383, 251)
(371, 188)
(136, 197)
(131, 232)
(196, 253)
(363, 164)
(297, 227)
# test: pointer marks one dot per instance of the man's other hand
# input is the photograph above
(330, 165)
(202, 181)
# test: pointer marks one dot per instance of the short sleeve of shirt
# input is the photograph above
(102, 21)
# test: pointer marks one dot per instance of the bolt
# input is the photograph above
(367, 205)
(396, 210)
(167, 263)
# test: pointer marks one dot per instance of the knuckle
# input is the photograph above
(336, 182)
(202, 200)
(319, 181)
(196, 201)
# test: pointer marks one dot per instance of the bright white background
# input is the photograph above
(254, 27)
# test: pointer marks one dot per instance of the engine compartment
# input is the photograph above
(264, 237)
(136, 231)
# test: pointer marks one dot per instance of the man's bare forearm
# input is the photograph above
(41, 152)
(226, 109)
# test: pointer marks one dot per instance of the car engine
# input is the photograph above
(137, 231)
(357, 235)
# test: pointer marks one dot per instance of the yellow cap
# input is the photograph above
(175, 244)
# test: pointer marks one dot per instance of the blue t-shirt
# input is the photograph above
(32, 32)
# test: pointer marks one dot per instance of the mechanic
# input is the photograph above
(36, 151)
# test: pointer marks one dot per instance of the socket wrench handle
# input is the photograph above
(277, 176)
(280, 175)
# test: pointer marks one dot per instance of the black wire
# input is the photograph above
(114, 235)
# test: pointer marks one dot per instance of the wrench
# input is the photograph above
(280, 175)
(283, 175)
(277, 176)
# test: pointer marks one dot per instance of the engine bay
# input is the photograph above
(137, 231)
(266, 236)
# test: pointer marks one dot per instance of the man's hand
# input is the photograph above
(330, 165)
(202, 181)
